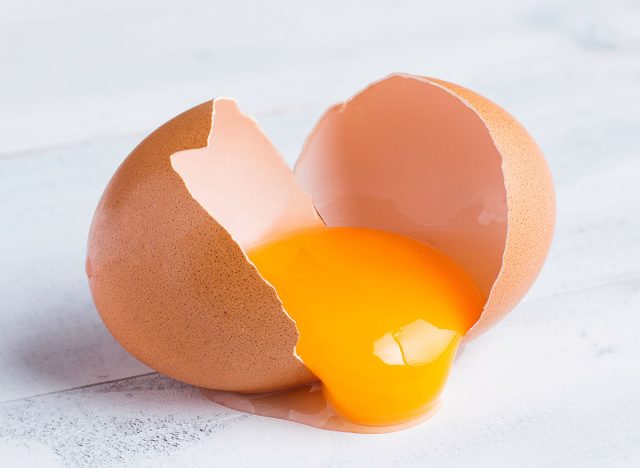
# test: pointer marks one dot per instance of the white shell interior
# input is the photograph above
(405, 155)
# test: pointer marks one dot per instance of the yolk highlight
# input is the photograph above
(380, 316)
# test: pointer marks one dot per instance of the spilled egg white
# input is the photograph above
(417, 156)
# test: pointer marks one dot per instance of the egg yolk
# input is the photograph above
(380, 316)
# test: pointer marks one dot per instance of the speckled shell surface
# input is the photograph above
(531, 206)
(173, 287)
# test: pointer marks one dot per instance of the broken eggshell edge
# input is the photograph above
(206, 326)
(171, 284)
(531, 205)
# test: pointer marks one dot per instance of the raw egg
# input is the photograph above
(419, 213)
(380, 316)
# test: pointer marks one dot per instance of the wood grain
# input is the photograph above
(555, 384)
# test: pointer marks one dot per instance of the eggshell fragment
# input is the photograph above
(531, 206)
(412, 155)
(439, 163)
(243, 182)
(170, 283)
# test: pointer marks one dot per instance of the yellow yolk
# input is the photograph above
(380, 316)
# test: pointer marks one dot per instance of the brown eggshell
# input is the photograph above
(421, 157)
(436, 162)
(173, 286)
(531, 206)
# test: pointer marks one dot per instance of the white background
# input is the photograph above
(555, 384)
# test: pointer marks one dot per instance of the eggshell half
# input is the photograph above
(439, 163)
(421, 157)
(171, 284)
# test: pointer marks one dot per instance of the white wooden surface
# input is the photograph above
(556, 384)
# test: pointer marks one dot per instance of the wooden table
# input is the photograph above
(555, 384)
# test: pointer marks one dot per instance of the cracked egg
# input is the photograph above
(418, 214)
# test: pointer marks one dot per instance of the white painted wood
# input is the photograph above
(556, 384)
